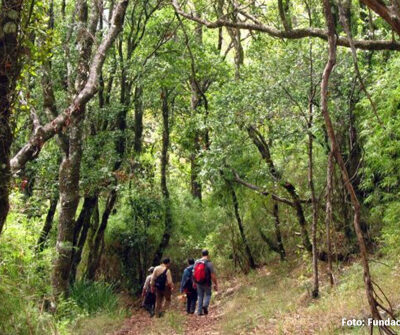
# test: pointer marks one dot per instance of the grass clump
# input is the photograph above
(93, 297)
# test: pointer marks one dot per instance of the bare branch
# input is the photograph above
(260, 190)
(290, 34)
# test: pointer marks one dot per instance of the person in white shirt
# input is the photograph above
(149, 298)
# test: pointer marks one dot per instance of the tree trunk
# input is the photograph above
(138, 119)
(194, 168)
(234, 34)
(369, 289)
(10, 52)
(91, 238)
(328, 217)
(315, 290)
(69, 198)
(263, 148)
(163, 182)
(96, 249)
(314, 201)
(81, 231)
(280, 247)
(196, 101)
(69, 174)
(235, 201)
(48, 223)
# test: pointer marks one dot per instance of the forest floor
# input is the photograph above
(275, 300)
(176, 322)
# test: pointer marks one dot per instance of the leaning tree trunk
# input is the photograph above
(48, 223)
(263, 147)
(369, 288)
(81, 231)
(96, 249)
(235, 201)
(10, 52)
(164, 187)
(278, 245)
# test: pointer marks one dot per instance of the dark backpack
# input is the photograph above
(188, 284)
(201, 272)
(161, 280)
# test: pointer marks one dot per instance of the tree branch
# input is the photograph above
(31, 150)
(259, 190)
(290, 34)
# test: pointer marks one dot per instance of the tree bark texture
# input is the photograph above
(314, 200)
(235, 202)
(138, 144)
(81, 232)
(277, 224)
(69, 173)
(96, 249)
(328, 216)
(48, 223)
(10, 53)
(163, 182)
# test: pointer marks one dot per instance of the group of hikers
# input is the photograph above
(197, 280)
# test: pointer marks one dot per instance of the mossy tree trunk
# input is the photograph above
(10, 53)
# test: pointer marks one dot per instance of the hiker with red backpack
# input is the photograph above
(203, 276)
(188, 287)
(162, 285)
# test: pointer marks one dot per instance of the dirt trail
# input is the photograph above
(141, 324)
(199, 325)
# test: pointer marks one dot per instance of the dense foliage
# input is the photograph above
(191, 135)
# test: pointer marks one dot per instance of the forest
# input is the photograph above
(261, 130)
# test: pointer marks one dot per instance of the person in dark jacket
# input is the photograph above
(187, 286)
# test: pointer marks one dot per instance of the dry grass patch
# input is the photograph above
(277, 302)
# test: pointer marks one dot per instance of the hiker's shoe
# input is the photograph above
(205, 310)
(152, 314)
(161, 314)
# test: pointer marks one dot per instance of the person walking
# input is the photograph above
(149, 298)
(188, 287)
(162, 286)
(203, 276)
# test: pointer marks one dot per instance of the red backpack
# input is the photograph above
(201, 272)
